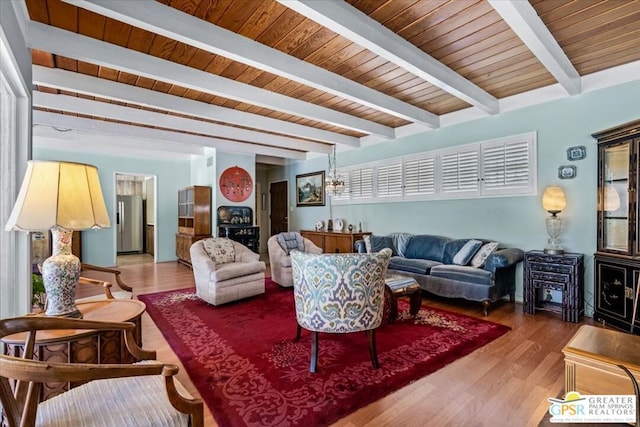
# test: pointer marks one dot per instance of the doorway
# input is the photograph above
(135, 212)
(279, 212)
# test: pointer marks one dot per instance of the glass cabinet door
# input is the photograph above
(614, 203)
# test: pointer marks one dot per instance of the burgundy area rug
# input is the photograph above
(242, 358)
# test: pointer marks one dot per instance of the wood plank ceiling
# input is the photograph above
(291, 77)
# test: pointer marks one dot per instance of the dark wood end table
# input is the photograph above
(400, 286)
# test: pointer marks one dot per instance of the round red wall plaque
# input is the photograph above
(236, 184)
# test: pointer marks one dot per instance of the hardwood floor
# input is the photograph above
(505, 383)
(134, 259)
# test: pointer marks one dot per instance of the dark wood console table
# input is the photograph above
(334, 241)
(84, 346)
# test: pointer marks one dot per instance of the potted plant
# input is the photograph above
(39, 296)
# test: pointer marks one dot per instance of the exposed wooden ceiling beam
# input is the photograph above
(174, 24)
(149, 118)
(525, 22)
(72, 45)
(354, 25)
(107, 89)
(129, 131)
(46, 136)
(270, 160)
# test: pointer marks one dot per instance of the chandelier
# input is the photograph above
(334, 184)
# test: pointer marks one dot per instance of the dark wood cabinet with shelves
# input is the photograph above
(617, 258)
(236, 223)
(617, 289)
(248, 236)
(334, 241)
(194, 219)
(546, 274)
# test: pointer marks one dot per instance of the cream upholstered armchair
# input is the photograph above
(225, 270)
(339, 293)
(142, 394)
(280, 246)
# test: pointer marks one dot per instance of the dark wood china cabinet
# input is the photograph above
(617, 259)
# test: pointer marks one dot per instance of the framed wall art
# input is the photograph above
(310, 189)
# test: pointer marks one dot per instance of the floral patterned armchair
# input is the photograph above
(339, 293)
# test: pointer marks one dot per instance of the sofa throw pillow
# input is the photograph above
(289, 241)
(378, 243)
(220, 250)
(481, 256)
(367, 242)
(464, 255)
(400, 242)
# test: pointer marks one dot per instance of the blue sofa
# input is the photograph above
(444, 267)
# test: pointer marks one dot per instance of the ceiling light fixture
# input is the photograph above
(334, 184)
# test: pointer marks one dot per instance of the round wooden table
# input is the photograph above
(81, 345)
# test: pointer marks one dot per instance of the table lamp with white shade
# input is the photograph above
(554, 201)
(61, 197)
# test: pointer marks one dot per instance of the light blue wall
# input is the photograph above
(514, 221)
(99, 246)
(201, 174)
(209, 175)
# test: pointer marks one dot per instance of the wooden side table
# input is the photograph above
(545, 273)
(84, 346)
(592, 357)
(400, 286)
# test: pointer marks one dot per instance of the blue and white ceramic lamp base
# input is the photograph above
(60, 273)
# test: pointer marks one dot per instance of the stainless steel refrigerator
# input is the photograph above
(130, 224)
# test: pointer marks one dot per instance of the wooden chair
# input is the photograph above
(110, 394)
(125, 291)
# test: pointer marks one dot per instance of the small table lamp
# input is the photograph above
(62, 197)
(554, 201)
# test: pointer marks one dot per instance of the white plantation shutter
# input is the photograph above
(361, 183)
(420, 176)
(499, 167)
(389, 180)
(460, 171)
(506, 167)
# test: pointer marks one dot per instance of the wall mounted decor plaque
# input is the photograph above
(576, 153)
(567, 172)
